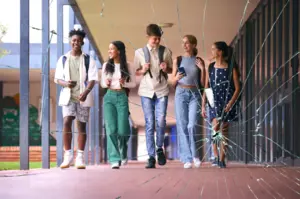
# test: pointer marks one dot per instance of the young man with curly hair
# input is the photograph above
(77, 73)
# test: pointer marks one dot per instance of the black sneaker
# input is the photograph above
(222, 165)
(151, 163)
(161, 157)
(216, 162)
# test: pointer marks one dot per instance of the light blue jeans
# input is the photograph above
(187, 108)
(155, 110)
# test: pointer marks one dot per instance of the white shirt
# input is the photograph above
(62, 72)
(116, 76)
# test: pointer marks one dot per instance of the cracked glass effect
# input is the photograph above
(217, 137)
(285, 176)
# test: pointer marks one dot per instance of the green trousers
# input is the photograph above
(117, 126)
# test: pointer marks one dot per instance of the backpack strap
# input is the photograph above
(64, 59)
(179, 59)
(147, 59)
(87, 66)
(210, 69)
(199, 75)
(161, 51)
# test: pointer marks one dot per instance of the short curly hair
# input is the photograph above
(80, 33)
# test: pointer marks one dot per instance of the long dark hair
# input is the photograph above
(228, 54)
(110, 67)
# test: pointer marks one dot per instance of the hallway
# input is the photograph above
(172, 181)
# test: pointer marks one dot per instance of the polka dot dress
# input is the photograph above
(218, 79)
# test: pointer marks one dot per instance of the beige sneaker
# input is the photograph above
(115, 165)
(79, 163)
(197, 162)
(124, 162)
(187, 165)
(68, 158)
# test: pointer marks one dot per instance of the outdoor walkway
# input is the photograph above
(172, 181)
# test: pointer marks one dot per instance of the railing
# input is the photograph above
(267, 51)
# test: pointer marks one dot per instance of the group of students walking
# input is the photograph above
(77, 73)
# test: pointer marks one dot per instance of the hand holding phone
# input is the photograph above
(181, 70)
(72, 84)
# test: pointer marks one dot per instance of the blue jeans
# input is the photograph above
(187, 108)
(155, 110)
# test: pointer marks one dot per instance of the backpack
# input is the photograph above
(161, 51)
(210, 68)
(199, 86)
(86, 63)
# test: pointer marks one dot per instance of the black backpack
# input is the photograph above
(161, 51)
(199, 86)
(86, 63)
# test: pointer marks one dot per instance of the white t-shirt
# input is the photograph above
(116, 76)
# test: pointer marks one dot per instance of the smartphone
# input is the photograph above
(73, 82)
(181, 70)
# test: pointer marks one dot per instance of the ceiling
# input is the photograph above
(127, 21)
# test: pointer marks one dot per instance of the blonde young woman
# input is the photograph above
(188, 76)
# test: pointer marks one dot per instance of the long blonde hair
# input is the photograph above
(193, 40)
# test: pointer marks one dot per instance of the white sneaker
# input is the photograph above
(115, 165)
(124, 162)
(79, 163)
(187, 165)
(68, 158)
(197, 162)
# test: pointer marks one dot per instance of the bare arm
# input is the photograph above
(88, 89)
(132, 82)
(175, 77)
(203, 76)
(62, 83)
(206, 85)
(90, 85)
(140, 70)
(237, 87)
(174, 72)
(169, 62)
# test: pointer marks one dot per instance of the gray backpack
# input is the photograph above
(161, 51)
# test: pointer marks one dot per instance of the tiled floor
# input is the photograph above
(171, 181)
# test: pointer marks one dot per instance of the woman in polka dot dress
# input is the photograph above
(225, 87)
